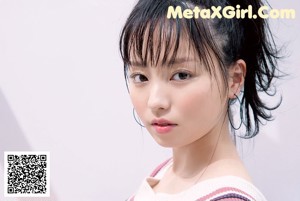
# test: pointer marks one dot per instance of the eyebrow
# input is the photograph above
(176, 61)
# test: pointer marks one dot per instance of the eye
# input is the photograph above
(181, 76)
(138, 78)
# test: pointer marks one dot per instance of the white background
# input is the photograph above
(62, 90)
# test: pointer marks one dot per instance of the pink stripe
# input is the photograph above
(223, 190)
(155, 172)
(159, 168)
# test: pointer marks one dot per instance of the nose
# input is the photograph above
(159, 100)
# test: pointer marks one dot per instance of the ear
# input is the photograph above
(236, 79)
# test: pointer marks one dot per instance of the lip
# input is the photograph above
(162, 126)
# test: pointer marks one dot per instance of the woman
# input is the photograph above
(183, 76)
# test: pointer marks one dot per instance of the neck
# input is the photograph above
(193, 159)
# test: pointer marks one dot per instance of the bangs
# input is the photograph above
(154, 42)
(149, 38)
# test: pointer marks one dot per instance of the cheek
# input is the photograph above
(200, 103)
(138, 100)
(194, 102)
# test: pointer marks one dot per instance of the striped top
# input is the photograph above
(226, 188)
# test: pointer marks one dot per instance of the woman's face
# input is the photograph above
(178, 104)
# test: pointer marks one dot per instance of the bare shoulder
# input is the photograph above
(227, 167)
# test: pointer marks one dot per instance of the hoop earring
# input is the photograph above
(137, 120)
(241, 115)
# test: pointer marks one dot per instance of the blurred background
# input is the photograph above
(62, 90)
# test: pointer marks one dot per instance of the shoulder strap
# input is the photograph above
(158, 168)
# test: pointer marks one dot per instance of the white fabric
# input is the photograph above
(199, 190)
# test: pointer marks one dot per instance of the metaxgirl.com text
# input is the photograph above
(230, 12)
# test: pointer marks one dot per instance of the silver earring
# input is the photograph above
(241, 115)
(137, 120)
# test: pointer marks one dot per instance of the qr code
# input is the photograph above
(26, 174)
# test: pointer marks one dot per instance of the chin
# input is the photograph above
(166, 143)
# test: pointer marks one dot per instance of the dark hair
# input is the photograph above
(226, 39)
